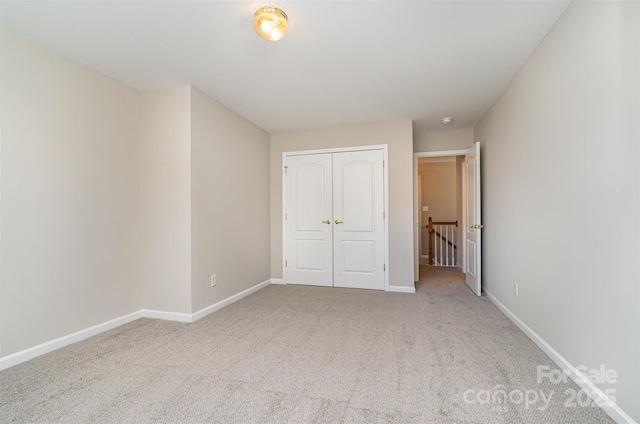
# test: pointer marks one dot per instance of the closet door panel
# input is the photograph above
(358, 206)
(308, 224)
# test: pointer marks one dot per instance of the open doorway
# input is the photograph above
(444, 238)
(440, 211)
(439, 195)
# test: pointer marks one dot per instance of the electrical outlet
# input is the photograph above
(515, 289)
(214, 280)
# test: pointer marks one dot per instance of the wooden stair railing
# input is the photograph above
(433, 233)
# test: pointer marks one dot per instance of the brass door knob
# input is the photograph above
(338, 221)
(328, 221)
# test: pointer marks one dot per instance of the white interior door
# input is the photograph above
(308, 220)
(473, 232)
(358, 208)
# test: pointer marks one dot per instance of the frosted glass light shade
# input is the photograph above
(270, 23)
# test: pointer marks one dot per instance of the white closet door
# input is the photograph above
(358, 229)
(308, 220)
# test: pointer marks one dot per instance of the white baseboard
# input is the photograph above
(278, 281)
(41, 349)
(181, 317)
(613, 410)
(229, 300)
(168, 316)
(401, 289)
(50, 346)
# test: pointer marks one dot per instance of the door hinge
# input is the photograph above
(383, 215)
(383, 164)
(285, 169)
(285, 263)
(285, 216)
(384, 267)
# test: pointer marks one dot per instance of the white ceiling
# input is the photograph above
(342, 63)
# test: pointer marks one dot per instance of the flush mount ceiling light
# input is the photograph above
(447, 120)
(270, 23)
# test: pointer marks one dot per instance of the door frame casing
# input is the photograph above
(385, 177)
(417, 207)
(419, 233)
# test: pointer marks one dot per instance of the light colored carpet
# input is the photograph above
(301, 355)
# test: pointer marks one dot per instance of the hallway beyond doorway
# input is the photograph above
(434, 277)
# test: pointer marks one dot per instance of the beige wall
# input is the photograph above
(450, 139)
(230, 197)
(439, 190)
(205, 201)
(398, 136)
(70, 197)
(438, 193)
(560, 193)
(166, 199)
